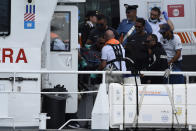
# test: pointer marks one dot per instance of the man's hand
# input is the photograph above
(102, 65)
(165, 15)
(175, 58)
(169, 63)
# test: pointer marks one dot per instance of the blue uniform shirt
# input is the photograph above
(126, 25)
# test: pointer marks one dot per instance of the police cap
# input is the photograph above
(130, 7)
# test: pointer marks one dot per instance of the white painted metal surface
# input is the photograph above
(116, 105)
(3, 101)
(155, 107)
(66, 60)
(21, 50)
(100, 113)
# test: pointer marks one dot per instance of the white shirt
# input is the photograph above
(107, 53)
(156, 28)
(171, 46)
(90, 24)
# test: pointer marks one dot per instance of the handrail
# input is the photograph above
(147, 73)
(103, 73)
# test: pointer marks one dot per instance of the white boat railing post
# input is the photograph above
(42, 120)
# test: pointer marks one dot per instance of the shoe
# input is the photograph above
(73, 125)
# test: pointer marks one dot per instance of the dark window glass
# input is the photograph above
(5, 11)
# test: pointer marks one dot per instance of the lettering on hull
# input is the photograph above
(9, 55)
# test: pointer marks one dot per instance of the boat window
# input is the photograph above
(5, 14)
(60, 31)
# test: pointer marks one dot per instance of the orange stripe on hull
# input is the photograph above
(188, 37)
(181, 37)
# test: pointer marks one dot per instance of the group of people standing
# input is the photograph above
(150, 44)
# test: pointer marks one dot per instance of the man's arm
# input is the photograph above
(148, 28)
(104, 57)
(169, 22)
(176, 57)
(102, 65)
(171, 25)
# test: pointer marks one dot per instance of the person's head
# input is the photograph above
(109, 34)
(155, 14)
(92, 16)
(101, 22)
(166, 31)
(53, 31)
(131, 11)
(139, 25)
(152, 40)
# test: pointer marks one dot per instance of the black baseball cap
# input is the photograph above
(130, 7)
(92, 13)
(164, 28)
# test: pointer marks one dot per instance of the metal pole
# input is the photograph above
(137, 104)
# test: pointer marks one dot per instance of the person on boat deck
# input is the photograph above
(173, 47)
(112, 57)
(157, 59)
(112, 53)
(155, 21)
(129, 22)
(88, 26)
(136, 49)
(100, 30)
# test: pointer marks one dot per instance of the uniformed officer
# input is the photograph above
(129, 22)
(85, 29)
(136, 48)
(173, 47)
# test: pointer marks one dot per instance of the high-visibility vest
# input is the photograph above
(112, 42)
